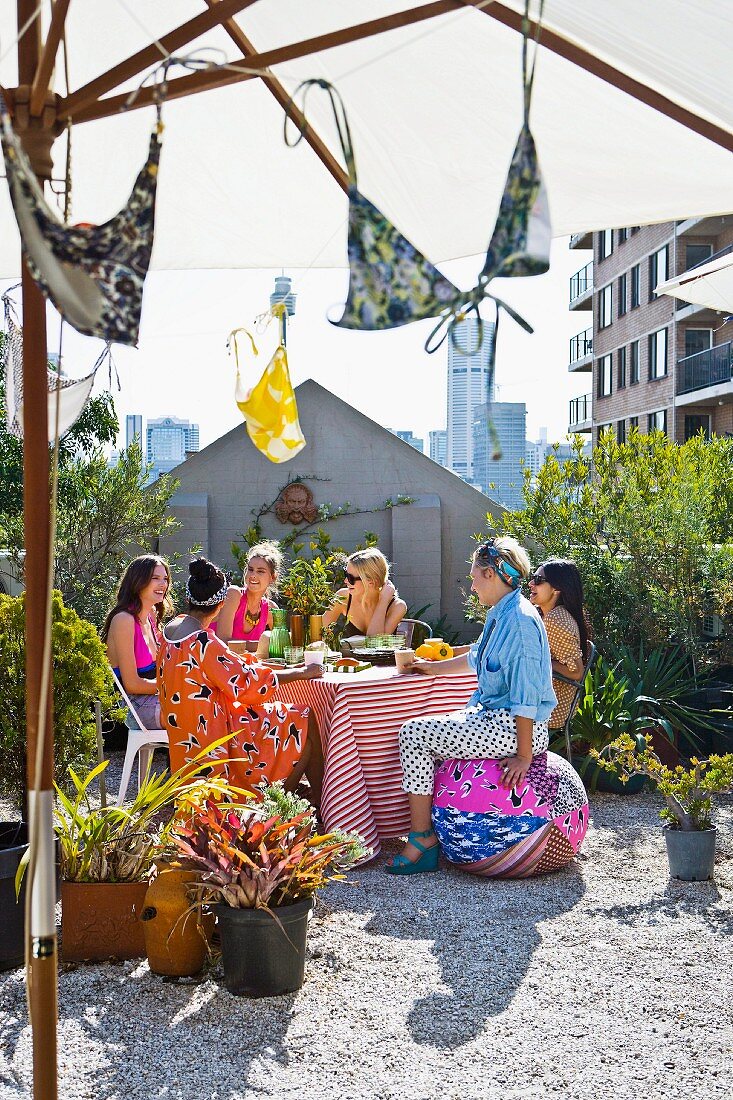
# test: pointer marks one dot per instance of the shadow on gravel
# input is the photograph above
(680, 899)
(483, 932)
(142, 1026)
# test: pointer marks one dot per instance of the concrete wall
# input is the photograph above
(348, 457)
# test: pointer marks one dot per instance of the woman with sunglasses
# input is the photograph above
(506, 717)
(556, 590)
(368, 602)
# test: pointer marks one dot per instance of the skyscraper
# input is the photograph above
(133, 429)
(468, 387)
(168, 441)
(438, 446)
(501, 478)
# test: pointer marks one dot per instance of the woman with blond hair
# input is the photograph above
(368, 603)
(506, 717)
(247, 612)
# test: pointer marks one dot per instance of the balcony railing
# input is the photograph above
(581, 410)
(581, 282)
(712, 367)
(581, 345)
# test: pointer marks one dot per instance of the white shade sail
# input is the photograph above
(435, 108)
(709, 284)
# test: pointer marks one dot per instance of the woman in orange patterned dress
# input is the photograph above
(556, 590)
(207, 692)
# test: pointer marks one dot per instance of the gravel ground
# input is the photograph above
(605, 979)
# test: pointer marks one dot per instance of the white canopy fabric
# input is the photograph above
(709, 284)
(435, 109)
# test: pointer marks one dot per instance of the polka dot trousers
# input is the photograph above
(473, 734)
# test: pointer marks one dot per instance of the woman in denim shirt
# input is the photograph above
(505, 718)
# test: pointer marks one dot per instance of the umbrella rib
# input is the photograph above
(220, 76)
(274, 86)
(174, 40)
(42, 79)
(625, 83)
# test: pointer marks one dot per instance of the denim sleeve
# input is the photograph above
(472, 655)
(524, 673)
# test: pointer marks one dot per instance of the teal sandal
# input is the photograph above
(426, 861)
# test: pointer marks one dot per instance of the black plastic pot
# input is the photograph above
(261, 957)
(691, 855)
(13, 844)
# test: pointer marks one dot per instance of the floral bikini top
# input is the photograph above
(392, 283)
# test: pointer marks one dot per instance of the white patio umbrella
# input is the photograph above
(710, 284)
(632, 115)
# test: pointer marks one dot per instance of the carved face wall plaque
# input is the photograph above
(295, 504)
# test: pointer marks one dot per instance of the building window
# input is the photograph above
(697, 340)
(621, 431)
(622, 281)
(634, 363)
(658, 354)
(621, 373)
(697, 254)
(605, 244)
(657, 421)
(658, 270)
(635, 275)
(605, 306)
(695, 424)
(623, 235)
(605, 381)
(634, 422)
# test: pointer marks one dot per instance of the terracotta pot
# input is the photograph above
(174, 941)
(101, 920)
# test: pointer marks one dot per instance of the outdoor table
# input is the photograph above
(359, 716)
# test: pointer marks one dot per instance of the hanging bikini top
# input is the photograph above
(93, 274)
(392, 283)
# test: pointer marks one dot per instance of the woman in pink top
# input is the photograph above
(247, 613)
(131, 632)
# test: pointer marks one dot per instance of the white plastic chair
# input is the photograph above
(141, 742)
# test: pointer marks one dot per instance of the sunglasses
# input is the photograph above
(538, 578)
(350, 578)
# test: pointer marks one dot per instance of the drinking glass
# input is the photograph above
(293, 655)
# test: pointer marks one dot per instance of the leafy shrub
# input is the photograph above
(81, 674)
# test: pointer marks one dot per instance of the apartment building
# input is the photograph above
(653, 362)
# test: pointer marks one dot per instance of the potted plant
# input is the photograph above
(687, 814)
(81, 675)
(603, 714)
(260, 866)
(106, 858)
(307, 588)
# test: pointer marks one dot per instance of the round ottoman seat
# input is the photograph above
(536, 827)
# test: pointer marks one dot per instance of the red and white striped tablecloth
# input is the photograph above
(359, 717)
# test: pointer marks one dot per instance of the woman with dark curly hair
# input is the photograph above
(556, 590)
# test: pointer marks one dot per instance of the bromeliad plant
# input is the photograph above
(687, 792)
(264, 855)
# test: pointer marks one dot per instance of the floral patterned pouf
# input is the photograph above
(536, 827)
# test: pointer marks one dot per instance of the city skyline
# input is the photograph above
(182, 368)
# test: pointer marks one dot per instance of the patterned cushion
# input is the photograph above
(536, 827)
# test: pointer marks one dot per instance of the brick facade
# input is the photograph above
(655, 396)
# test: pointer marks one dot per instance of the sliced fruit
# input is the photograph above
(425, 651)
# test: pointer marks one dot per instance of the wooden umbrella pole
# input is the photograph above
(42, 970)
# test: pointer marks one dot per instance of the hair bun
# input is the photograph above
(201, 569)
